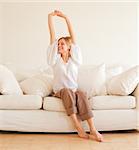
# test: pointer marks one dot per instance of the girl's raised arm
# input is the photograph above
(60, 14)
(51, 27)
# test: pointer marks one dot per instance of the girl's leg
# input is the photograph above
(69, 100)
(85, 112)
(94, 134)
(78, 126)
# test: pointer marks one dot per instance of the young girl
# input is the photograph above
(64, 56)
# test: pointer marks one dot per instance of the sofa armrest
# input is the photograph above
(136, 91)
(136, 94)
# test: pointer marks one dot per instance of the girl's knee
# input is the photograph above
(81, 92)
(66, 90)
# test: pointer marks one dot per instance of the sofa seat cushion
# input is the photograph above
(113, 102)
(53, 104)
(20, 102)
(97, 102)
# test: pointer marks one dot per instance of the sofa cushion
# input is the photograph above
(40, 84)
(124, 83)
(23, 71)
(8, 82)
(113, 70)
(113, 102)
(97, 102)
(92, 80)
(20, 102)
(53, 104)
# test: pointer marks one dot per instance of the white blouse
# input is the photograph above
(65, 74)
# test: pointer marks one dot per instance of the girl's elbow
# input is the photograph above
(50, 63)
(80, 63)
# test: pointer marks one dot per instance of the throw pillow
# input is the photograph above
(8, 82)
(38, 85)
(113, 71)
(124, 83)
(92, 80)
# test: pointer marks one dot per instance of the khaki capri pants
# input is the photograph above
(75, 102)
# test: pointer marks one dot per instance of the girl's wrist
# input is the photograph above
(65, 17)
(51, 14)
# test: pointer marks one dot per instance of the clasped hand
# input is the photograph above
(57, 13)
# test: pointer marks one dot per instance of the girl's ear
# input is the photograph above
(69, 52)
(69, 47)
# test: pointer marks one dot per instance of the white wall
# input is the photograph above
(106, 32)
(1, 33)
(138, 31)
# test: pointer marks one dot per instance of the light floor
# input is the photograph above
(119, 140)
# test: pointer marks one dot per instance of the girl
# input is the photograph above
(64, 56)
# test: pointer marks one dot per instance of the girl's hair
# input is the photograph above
(67, 40)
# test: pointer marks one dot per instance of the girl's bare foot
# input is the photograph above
(95, 135)
(82, 133)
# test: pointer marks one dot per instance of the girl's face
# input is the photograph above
(62, 46)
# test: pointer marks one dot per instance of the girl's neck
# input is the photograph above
(65, 57)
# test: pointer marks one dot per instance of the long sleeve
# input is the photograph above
(52, 53)
(76, 54)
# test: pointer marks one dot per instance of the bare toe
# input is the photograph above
(83, 135)
(95, 135)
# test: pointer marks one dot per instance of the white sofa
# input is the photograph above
(33, 113)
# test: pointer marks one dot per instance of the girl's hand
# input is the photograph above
(52, 14)
(59, 13)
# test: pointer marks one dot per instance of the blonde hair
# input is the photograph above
(67, 40)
